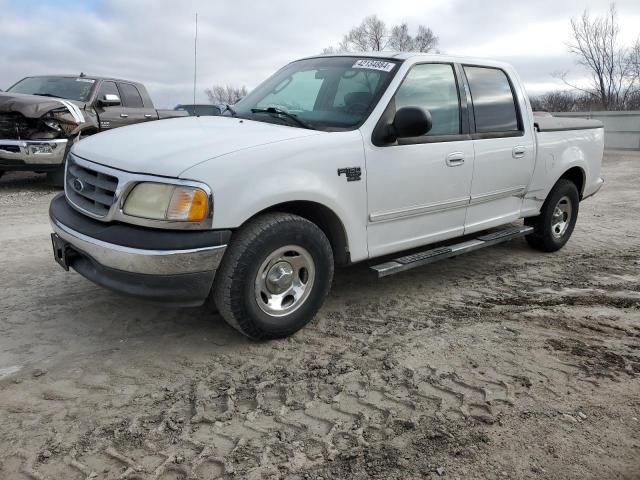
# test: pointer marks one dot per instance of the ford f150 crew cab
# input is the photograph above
(41, 117)
(408, 158)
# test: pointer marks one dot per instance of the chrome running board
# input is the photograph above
(419, 259)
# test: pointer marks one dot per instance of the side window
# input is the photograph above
(493, 103)
(432, 86)
(131, 97)
(295, 93)
(108, 88)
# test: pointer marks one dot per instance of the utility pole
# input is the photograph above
(195, 60)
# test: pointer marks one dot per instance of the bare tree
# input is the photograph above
(559, 101)
(372, 35)
(226, 94)
(614, 69)
(425, 40)
(400, 38)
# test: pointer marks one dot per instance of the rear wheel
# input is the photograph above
(557, 219)
(274, 277)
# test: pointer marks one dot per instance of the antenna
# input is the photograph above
(195, 60)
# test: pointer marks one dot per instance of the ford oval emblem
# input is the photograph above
(78, 186)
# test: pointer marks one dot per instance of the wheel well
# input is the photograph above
(324, 218)
(88, 131)
(575, 175)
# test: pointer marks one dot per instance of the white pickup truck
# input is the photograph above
(332, 160)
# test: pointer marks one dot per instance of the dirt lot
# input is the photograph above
(505, 363)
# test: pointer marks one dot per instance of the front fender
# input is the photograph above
(249, 181)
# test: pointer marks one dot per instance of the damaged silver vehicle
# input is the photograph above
(42, 117)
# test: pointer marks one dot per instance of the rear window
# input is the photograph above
(493, 102)
(130, 96)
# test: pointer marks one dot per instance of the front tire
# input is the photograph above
(274, 276)
(557, 219)
(55, 178)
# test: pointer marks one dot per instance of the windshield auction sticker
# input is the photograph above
(374, 64)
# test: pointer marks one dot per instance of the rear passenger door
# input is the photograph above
(135, 109)
(504, 149)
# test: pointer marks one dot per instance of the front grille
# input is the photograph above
(14, 126)
(89, 189)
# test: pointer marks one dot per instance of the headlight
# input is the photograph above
(52, 124)
(161, 201)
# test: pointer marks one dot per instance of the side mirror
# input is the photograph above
(109, 100)
(409, 122)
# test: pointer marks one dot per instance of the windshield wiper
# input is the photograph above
(279, 111)
(47, 95)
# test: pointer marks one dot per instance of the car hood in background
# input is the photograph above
(169, 147)
(34, 106)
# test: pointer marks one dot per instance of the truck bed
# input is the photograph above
(548, 123)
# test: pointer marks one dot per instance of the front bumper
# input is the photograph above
(31, 154)
(177, 268)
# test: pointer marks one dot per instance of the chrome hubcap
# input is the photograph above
(284, 280)
(561, 217)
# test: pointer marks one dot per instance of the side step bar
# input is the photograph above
(419, 259)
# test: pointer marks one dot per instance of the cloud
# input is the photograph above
(243, 41)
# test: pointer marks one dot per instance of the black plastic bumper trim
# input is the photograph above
(184, 290)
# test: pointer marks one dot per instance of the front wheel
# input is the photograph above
(557, 219)
(274, 277)
(55, 178)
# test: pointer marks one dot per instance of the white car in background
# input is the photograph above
(332, 160)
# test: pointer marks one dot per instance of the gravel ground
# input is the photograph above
(505, 363)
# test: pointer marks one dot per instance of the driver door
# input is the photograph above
(110, 116)
(418, 188)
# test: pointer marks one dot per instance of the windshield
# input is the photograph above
(78, 89)
(331, 93)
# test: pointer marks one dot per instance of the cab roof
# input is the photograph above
(415, 57)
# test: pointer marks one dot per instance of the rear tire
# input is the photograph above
(557, 219)
(55, 178)
(274, 276)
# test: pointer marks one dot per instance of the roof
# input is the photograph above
(89, 77)
(402, 56)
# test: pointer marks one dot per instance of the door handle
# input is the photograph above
(518, 152)
(455, 159)
(124, 115)
(147, 115)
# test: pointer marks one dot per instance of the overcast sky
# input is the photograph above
(241, 42)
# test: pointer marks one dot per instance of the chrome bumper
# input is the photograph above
(138, 261)
(34, 152)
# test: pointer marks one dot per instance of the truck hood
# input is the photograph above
(34, 106)
(169, 147)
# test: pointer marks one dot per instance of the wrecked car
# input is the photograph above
(42, 117)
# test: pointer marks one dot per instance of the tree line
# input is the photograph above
(613, 68)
